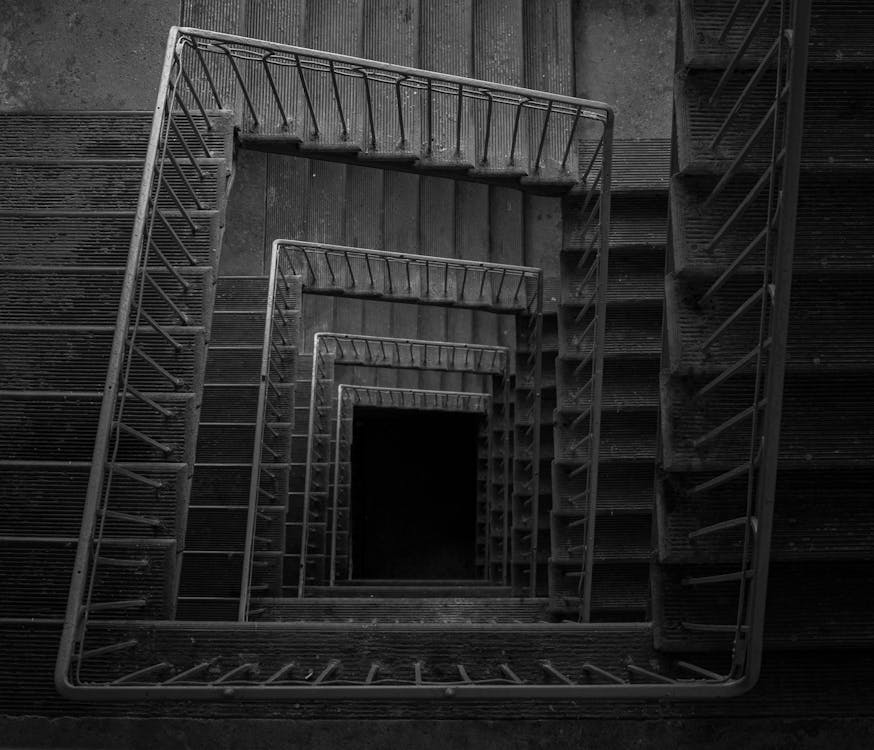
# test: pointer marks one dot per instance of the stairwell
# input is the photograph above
(716, 264)
(692, 604)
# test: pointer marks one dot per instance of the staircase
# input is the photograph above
(721, 249)
(66, 219)
(620, 536)
(214, 556)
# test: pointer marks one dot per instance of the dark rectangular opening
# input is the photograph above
(413, 494)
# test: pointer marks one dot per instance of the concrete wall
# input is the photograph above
(624, 55)
(82, 54)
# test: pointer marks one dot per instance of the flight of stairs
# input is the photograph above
(623, 521)
(67, 208)
(219, 507)
(821, 547)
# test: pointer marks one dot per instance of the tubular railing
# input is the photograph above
(268, 488)
(330, 349)
(349, 396)
(151, 320)
(588, 346)
(430, 280)
(760, 371)
(514, 131)
(424, 279)
(391, 113)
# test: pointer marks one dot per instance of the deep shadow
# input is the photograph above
(413, 494)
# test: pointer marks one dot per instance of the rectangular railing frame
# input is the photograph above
(349, 396)
(126, 688)
(497, 364)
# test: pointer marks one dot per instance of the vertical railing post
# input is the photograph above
(598, 366)
(779, 329)
(257, 450)
(536, 386)
(308, 476)
(341, 409)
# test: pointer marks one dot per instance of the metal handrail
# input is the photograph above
(383, 352)
(778, 183)
(276, 348)
(593, 263)
(351, 395)
(155, 195)
(511, 118)
(424, 279)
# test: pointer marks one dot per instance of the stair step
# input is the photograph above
(633, 280)
(97, 135)
(226, 484)
(200, 609)
(828, 92)
(828, 420)
(36, 576)
(229, 364)
(637, 223)
(829, 326)
(33, 295)
(62, 426)
(620, 591)
(624, 437)
(640, 165)
(622, 488)
(46, 499)
(631, 335)
(223, 529)
(620, 539)
(838, 36)
(805, 607)
(103, 184)
(627, 387)
(211, 574)
(805, 527)
(64, 358)
(400, 589)
(247, 292)
(101, 238)
(237, 327)
(833, 230)
(456, 610)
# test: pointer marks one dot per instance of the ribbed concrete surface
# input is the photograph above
(35, 577)
(806, 607)
(805, 527)
(826, 115)
(828, 420)
(833, 230)
(838, 36)
(46, 498)
(830, 328)
(399, 609)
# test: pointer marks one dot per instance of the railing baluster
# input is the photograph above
(307, 97)
(243, 88)
(264, 61)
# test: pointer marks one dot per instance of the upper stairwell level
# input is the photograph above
(330, 106)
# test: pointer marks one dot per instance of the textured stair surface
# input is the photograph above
(465, 609)
(838, 34)
(821, 543)
(826, 114)
(805, 527)
(805, 607)
(832, 233)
